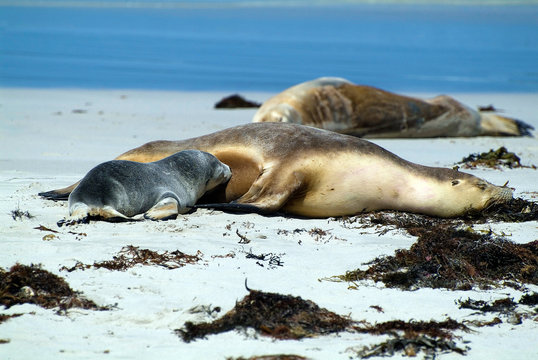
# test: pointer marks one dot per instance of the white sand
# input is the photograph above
(45, 145)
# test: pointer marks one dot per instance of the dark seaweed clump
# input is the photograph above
(494, 159)
(507, 308)
(410, 337)
(24, 284)
(411, 346)
(236, 101)
(274, 315)
(18, 214)
(442, 329)
(446, 256)
(130, 256)
(515, 210)
(289, 317)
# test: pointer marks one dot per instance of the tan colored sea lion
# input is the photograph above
(338, 105)
(310, 172)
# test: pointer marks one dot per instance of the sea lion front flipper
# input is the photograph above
(272, 190)
(268, 194)
(167, 208)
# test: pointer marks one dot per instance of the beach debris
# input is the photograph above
(448, 256)
(130, 256)
(274, 315)
(514, 210)
(506, 308)
(488, 108)
(529, 299)
(411, 337)
(236, 101)
(243, 238)
(271, 260)
(6, 317)
(411, 346)
(44, 228)
(18, 214)
(435, 329)
(24, 284)
(288, 317)
(493, 159)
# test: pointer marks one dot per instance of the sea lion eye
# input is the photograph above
(455, 182)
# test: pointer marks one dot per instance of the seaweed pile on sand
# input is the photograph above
(449, 256)
(286, 317)
(494, 159)
(411, 337)
(130, 256)
(24, 284)
(236, 101)
(274, 315)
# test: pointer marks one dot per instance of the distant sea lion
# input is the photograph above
(310, 172)
(338, 105)
(121, 190)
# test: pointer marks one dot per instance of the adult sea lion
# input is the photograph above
(121, 190)
(338, 105)
(310, 172)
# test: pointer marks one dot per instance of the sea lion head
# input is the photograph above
(221, 173)
(472, 194)
(281, 112)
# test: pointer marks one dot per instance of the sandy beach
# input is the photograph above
(51, 138)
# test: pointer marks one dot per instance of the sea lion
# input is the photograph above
(316, 173)
(338, 105)
(126, 190)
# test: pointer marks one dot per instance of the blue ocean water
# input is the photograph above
(225, 45)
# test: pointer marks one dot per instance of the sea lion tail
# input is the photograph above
(496, 125)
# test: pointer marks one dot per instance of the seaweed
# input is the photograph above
(529, 299)
(236, 101)
(130, 256)
(434, 329)
(24, 284)
(410, 337)
(4, 317)
(270, 314)
(494, 159)
(504, 307)
(500, 305)
(514, 210)
(449, 256)
(18, 214)
(272, 260)
(411, 346)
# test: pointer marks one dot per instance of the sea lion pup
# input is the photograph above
(304, 171)
(338, 105)
(126, 190)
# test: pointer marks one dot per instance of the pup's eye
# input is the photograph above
(455, 182)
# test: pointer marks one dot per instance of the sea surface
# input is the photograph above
(268, 46)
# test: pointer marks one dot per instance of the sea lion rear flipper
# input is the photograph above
(59, 194)
(233, 207)
(167, 208)
(495, 125)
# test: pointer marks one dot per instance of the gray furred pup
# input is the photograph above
(126, 190)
